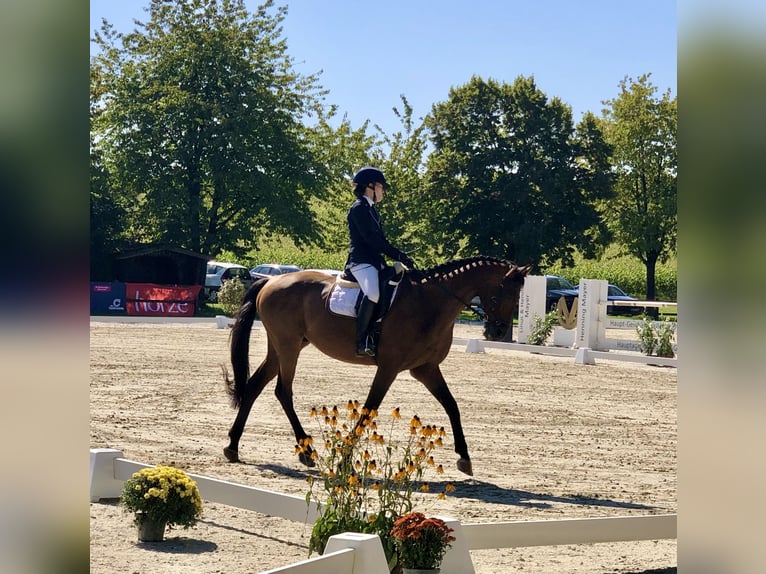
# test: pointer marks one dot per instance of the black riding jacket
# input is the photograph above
(368, 241)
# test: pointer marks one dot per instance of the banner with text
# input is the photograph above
(107, 298)
(162, 300)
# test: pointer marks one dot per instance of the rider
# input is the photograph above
(367, 245)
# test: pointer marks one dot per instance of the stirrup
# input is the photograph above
(366, 349)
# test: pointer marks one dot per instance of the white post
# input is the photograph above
(531, 303)
(591, 314)
(369, 557)
(474, 346)
(457, 560)
(103, 484)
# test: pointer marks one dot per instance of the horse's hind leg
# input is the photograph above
(267, 370)
(431, 376)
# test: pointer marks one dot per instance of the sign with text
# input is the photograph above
(531, 305)
(161, 300)
(107, 298)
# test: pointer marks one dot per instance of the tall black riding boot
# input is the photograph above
(364, 345)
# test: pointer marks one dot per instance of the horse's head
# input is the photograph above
(499, 303)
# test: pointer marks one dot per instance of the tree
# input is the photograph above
(341, 151)
(642, 132)
(199, 124)
(509, 176)
(404, 167)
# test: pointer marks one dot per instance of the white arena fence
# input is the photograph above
(587, 341)
(354, 553)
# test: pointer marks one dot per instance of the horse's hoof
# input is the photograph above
(306, 459)
(231, 454)
(464, 465)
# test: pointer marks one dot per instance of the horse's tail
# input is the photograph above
(240, 344)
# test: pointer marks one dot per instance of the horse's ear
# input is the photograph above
(518, 272)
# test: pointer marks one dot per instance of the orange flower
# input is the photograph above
(449, 487)
(396, 414)
(440, 469)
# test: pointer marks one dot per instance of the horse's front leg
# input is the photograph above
(431, 376)
(284, 393)
(380, 385)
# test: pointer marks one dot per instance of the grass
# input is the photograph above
(209, 310)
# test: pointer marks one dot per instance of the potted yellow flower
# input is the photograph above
(421, 542)
(369, 479)
(161, 496)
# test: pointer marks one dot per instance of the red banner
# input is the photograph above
(162, 300)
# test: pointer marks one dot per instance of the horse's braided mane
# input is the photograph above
(452, 268)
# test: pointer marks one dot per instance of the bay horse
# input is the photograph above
(416, 335)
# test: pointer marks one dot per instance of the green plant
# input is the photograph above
(162, 493)
(647, 338)
(421, 542)
(659, 338)
(230, 296)
(542, 327)
(368, 480)
(665, 333)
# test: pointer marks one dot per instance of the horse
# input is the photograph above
(415, 335)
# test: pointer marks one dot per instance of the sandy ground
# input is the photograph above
(548, 439)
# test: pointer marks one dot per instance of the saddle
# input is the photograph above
(345, 294)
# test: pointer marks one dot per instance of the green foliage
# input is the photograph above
(230, 296)
(642, 132)
(283, 250)
(197, 122)
(509, 176)
(403, 212)
(542, 327)
(665, 334)
(656, 337)
(367, 480)
(647, 338)
(162, 493)
(625, 271)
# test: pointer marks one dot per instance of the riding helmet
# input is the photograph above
(369, 174)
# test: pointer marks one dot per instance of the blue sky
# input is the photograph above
(371, 52)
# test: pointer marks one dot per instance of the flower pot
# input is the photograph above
(420, 570)
(151, 530)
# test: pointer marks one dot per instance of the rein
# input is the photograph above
(468, 305)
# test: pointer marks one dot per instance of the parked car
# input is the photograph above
(333, 272)
(218, 272)
(557, 287)
(270, 269)
(614, 293)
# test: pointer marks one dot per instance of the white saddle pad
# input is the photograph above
(343, 299)
(344, 294)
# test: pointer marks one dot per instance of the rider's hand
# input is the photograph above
(407, 260)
